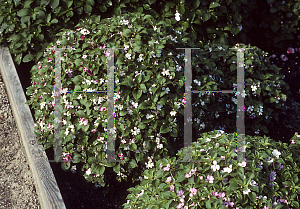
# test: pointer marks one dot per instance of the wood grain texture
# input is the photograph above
(46, 185)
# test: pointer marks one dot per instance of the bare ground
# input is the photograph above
(17, 188)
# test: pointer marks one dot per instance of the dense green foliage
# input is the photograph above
(269, 178)
(149, 92)
(208, 20)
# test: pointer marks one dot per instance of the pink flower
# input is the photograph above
(193, 192)
(169, 179)
(223, 157)
(188, 175)
(82, 147)
(210, 179)
(290, 50)
(167, 168)
(293, 142)
(215, 193)
(273, 56)
(283, 57)
(281, 22)
(180, 192)
(121, 156)
(172, 188)
(82, 37)
(221, 195)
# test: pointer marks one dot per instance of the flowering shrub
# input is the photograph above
(149, 92)
(142, 84)
(269, 178)
(265, 91)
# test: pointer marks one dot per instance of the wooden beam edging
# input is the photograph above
(46, 185)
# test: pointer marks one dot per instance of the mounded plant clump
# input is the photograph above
(212, 179)
(149, 93)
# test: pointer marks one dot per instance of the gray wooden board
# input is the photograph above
(46, 185)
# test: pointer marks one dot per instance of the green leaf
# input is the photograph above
(273, 10)
(132, 164)
(275, 27)
(54, 21)
(143, 106)
(174, 132)
(237, 17)
(223, 9)
(289, 15)
(69, 3)
(206, 17)
(180, 178)
(159, 173)
(233, 186)
(143, 87)
(208, 204)
(214, 5)
(123, 112)
(252, 196)
(88, 9)
(142, 125)
(76, 157)
(22, 12)
(45, 2)
(164, 129)
(196, 3)
(233, 67)
(54, 4)
(27, 3)
(80, 113)
(117, 168)
(295, 203)
(126, 33)
(102, 8)
(264, 129)
(28, 58)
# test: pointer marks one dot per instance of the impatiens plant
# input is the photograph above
(215, 68)
(144, 75)
(149, 92)
(214, 179)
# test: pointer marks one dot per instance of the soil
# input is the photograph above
(17, 188)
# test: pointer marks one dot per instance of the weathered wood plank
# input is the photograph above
(47, 188)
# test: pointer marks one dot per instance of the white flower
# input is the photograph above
(136, 131)
(167, 90)
(215, 167)
(88, 172)
(128, 56)
(254, 88)
(243, 164)
(246, 191)
(177, 16)
(173, 113)
(240, 27)
(134, 104)
(160, 146)
(270, 160)
(276, 153)
(149, 116)
(208, 139)
(227, 169)
(149, 165)
(140, 58)
(165, 72)
(154, 27)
